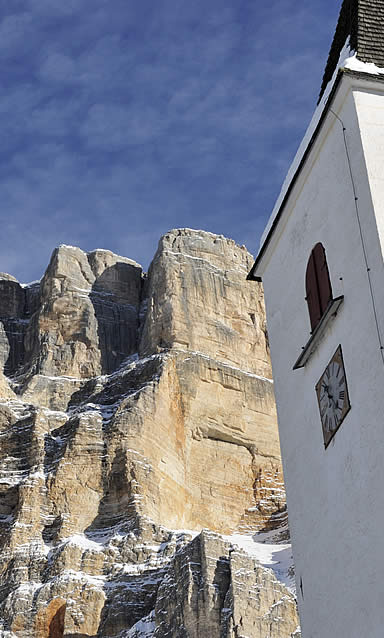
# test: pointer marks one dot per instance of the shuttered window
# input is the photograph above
(317, 285)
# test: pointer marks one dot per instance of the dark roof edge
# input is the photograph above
(251, 274)
(359, 74)
(347, 27)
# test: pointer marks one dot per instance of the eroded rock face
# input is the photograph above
(138, 407)
(5, 389)
(214, 589)
(88, 316)
(198, 300)
(18, 303)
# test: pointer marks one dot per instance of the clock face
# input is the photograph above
(332, 396)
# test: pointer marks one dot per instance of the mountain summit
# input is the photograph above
(136, 411)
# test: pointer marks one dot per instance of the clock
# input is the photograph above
(332, 396)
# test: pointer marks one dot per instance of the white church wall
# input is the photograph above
(334, 495)
(370, 113)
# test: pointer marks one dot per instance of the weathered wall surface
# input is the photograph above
(334, 490)
(100, 460)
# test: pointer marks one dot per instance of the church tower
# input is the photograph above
(321, 263)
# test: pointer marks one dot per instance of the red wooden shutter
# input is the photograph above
(317, 285)
(323, 282)
(312, 293)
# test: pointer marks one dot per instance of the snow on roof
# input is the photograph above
(363, 22)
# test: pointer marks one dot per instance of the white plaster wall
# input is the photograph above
(335, 496)
(370, 113)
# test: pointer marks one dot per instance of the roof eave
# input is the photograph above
(254, 275)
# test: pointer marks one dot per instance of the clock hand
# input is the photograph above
(329, 395)
(326, 389)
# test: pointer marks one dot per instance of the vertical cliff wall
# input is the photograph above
(135, 407)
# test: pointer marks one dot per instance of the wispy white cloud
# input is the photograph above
(58, 9)
(125, 119)
(113, 127)
(58, 68)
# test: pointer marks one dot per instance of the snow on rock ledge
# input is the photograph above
(140, 405)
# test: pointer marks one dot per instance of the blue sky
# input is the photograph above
(122, 119)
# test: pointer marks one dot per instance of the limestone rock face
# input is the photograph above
(5, 390)
(18, 303)
(198, 300)
(214, 589)
(134, 408)
(88, 316)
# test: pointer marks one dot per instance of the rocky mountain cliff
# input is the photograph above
(141, 489)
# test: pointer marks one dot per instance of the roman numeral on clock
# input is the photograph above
(332, 396)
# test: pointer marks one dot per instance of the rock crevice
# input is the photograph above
(135, 406)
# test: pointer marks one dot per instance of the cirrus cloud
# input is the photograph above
(122, 120)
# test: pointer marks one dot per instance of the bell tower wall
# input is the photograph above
(335, 493)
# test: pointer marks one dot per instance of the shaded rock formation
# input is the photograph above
(214, 589)
(87, 319)
(18, 304)
(135, 407)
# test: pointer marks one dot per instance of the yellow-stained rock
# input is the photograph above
(142, 407)
(199, 300)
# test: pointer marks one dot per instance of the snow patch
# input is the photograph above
(69, 246)
(69, 576)
(275, 556)
(354, 64)
(144, 628)
(80, 540)
(222, 363)
(31, 283)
